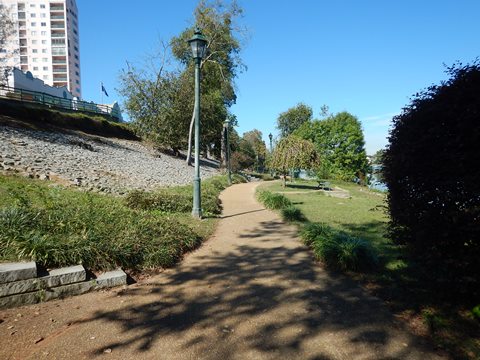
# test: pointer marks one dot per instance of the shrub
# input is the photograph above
(312, 231)
(339, 250)
(292, 213)
(161, 201)
(273, 201)
(432, 172)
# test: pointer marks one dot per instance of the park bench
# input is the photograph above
(322, 184)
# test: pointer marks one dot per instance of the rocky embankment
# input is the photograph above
(94, 163)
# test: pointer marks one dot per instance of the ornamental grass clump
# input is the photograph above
(273, 201)
(292, 213)
(339, 250)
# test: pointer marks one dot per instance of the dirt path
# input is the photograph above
(251, 292)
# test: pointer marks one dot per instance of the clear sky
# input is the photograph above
(367, 57)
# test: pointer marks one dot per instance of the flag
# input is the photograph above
(103, 89)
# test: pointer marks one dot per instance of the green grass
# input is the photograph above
(55, 226)
(37, 117)
(396, 278)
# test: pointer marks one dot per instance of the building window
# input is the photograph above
(34, 33)
(34, 42)
(78, 82)
(35, 68)
(33, 14)
(34, 59)
(45, 59)
(44, 33)
(78, 89)
(77, 73)
(34, 51)
(44, 51)
(44, 42)
(32, 5)
(76, 65)
(43, 24)
(42, 6)
(45, 77)
(34, 24)
(45, 68)
(43, 15)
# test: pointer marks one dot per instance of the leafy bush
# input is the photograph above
(273, 201)
(292, 213)
(162, 201)
(180, 199)
(432, 172)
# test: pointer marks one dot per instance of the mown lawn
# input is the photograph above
(397, 280)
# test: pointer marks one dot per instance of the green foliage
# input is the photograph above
(162, 201)
(180, 199)
(293, 118)
(160, 102)
(476, 312)
(312, 231)
(339, 250)
(41, 118)
(292, 213)
(273, 201)
(432, 172)
(341, 146)
(293, 153)
(60, 227)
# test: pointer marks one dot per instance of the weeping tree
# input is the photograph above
(293, 153)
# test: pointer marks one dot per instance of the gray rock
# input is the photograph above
(17, 271)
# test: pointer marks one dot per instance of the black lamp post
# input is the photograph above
(226, 126)
(270, 136)
(198, 43)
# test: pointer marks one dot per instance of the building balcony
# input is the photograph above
(61, 17)
(58, 42)
(58, 51)
(58, 34)
(21, 16)
(59, 62)
(57, 25)
(56, 7)
(59, 78)
(59, 70)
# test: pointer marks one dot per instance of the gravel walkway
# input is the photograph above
(251, 292)
(97, 164)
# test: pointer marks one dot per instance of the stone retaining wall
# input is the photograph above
(21, 285)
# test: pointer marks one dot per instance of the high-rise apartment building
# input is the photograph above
(45, 41)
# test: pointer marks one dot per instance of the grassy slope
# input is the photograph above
(398, 280)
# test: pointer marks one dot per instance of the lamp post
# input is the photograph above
(270, 136)
(226, 126)
(198, 43)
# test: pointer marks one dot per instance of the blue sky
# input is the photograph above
(367, 57)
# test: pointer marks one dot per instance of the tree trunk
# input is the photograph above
(190, 131)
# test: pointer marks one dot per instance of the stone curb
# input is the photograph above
(58, 284)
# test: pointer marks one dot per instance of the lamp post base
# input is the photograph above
(197, 208)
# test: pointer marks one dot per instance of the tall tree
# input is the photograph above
(293, 118)
(293, 153)
(254, 138)
(220, 67)
(341, 145)
(161, 101)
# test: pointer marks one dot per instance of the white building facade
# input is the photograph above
(45, 41)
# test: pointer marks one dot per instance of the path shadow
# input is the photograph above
(262, 296)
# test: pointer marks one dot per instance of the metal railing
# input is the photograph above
(27, 96)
